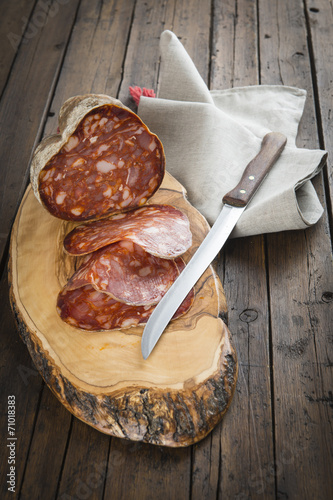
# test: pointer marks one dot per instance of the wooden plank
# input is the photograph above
(300, 277)
(85, 466)
(141, 471)
(190, 21)
(223, 41)
(302, 369)
(192, 25)
(320, 20)
(95, 55)
(44, 462)
(234, 49)
(24, 104)
(247, 441)
(142, 56)
(18, 378)
(246, 438)
(206, 467)
(13, 22)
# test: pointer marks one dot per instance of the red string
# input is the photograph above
(137, 92)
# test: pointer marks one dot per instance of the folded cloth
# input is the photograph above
(210, 136)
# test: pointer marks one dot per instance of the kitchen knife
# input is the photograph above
(235, 202)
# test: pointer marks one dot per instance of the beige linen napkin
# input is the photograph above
(210, 136)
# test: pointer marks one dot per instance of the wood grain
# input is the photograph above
(255, 172)
(18, 377)
(273, 442)
(24, 106)
(142, 56)
(100, 37)
(82, 478)
(300, 317)
(13, 24)
(247, 445)
(52, 426)
(177, 396)
(138, 470)
(320, 21)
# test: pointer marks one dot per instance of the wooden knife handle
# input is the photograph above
(272, 146)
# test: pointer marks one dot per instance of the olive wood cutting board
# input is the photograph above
(177, 395)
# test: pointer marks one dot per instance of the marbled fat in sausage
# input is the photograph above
(117, 287)
(88, 309)
(127, 272)
(161, 230)
(110, 164)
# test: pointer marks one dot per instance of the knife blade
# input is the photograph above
(235, 202)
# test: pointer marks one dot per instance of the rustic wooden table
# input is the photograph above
(276, 439)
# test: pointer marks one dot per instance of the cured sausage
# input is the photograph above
(110, 164)
(117, 287)
(104, 162)
(161, 230)
(89, 309)
(126, 272)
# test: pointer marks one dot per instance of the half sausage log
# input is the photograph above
(104, 161)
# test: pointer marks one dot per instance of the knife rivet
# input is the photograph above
(242, 191)
(251, 177)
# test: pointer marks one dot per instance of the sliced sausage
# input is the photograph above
(161, 230)
(117, 287)
(126, 272)
(89, 309)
